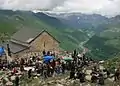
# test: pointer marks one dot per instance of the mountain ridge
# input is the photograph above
(95, 27)
(12, 21)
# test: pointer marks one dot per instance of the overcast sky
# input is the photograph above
(105, 7)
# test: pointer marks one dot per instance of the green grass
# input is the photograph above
(112, 64)
(10, 22)
(99, 48)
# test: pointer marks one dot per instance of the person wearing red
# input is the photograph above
(14, 70)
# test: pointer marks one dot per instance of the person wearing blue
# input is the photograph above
(47, 59)
(2, 51)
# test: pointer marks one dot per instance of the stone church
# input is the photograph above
(32, 40)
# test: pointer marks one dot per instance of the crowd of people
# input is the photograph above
(34, 65)
(55, 66)
(97, 75)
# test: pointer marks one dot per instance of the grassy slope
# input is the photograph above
(113, 34)
(11, 21)
(110, 46)
(113, 63)
(99, 48)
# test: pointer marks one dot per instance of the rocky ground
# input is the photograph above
(62, 80)
(59, 80)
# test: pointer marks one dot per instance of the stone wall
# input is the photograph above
(44, 41)
(38, 45)
(20, 54)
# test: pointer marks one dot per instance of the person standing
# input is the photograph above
(14, 70)
(48, 53)
(45, 68)
(117, 75)
(72, 73)
(17, 80)
(101, 79)
(29, 73)
(21, 68)
(63, 67)
(94, 77)
(44, 53)
(81, 77)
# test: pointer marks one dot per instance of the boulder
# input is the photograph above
(0, 84)
(51, 82)
(101, 67)
(59, 85)
(6, 79)
(111, 75)
(63, 81)
(38, 75)
(67, 78)
(72, 81)
(12, 78)
(111, 79)
(88, 77)
(88, 85)
(9, 84)
(45, 85)
(88, 72)
(101, 62)
(20, 76)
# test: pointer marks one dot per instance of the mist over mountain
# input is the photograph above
(95, 22)
(105, 32)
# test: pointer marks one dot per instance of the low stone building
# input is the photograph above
(32, 40)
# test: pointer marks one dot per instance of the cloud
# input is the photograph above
(105, 7)
(30, 4)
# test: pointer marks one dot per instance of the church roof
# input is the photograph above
(28, 35)
(14, 47)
